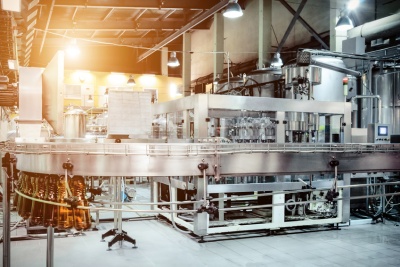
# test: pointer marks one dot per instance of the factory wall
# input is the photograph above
(80, 84)
(241, 34)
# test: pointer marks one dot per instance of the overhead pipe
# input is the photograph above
(336, 68)
(380, 28)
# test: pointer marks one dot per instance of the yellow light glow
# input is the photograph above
(73, 49)
(173, 89)
(82, 76)
(147, 80)
(117, 79)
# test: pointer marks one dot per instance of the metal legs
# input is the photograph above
(119, 234)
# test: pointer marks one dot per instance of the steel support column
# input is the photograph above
(186, 65)
(164, 61)
(218, 37)
(264, 31)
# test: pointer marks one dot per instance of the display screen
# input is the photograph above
(383, 130)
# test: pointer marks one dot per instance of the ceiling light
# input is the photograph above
(233, 10)
(344, 23)
(12, 64)
(73, 49)
(353, 4)
(131, 81)
(173, 61)
(276, 61)
(217, 79)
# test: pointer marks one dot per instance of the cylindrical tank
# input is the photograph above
(331, 86)
(327, 84)
(386, 84)
(262, 76)
(75, 123)
(313, 73)
(297, 121)
(367, 110)
(223, 86)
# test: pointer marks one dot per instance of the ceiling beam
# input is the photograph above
(108, 14)
(167, 14)
(291, 25)
(73, 15)
(185, 28)
(113, 25)
(120, 34)
(47, 25)
(96, 41)
(305, 24)
(139, 14)
(136, 4)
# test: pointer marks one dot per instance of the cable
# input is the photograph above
(149, 48)
(172, 215)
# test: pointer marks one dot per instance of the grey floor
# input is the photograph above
(160, 245)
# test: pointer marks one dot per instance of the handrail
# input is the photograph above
(193, 149)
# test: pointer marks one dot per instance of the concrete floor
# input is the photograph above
(159, 244)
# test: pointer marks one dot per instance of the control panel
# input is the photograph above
(379, 133)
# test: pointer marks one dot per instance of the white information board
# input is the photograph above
(129, 113)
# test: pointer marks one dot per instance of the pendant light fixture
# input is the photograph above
(276, 61)
(344, 23)
(131, 81)
(173, 61)
(233, 10)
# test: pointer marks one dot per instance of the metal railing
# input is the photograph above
(193, 149)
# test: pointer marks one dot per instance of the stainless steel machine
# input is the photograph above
(271, 151)
(258, 178)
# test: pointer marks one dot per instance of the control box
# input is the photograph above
(379, 133)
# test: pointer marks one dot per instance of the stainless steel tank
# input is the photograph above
(331, 86)
(262, 76)
(327, 84)
(386, 84)
(223, 87)
(75, 124)
(324, 85)
(313, 73)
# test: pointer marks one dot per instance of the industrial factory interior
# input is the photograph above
(200, 133)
